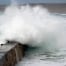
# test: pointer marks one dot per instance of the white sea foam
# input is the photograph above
(34, 26)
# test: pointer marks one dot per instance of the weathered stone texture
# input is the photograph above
(9, 57)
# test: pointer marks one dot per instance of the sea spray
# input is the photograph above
(33, 26)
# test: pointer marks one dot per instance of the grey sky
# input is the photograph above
(33, 1)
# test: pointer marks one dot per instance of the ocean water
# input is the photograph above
(34, 58)
(42, 31)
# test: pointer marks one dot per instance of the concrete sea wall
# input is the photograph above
(10, 54)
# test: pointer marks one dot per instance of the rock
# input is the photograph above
(11, 53)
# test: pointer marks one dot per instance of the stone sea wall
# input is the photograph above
(12, 55)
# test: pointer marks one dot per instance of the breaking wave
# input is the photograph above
(33, 26)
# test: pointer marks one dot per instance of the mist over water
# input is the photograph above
(37, 27)
(34, 26)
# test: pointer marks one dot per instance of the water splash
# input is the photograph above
(34, 26)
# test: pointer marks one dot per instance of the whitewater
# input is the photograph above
(36, 27)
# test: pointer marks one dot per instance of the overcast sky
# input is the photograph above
(33, 1)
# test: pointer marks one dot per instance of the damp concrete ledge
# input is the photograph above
(11, 53)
